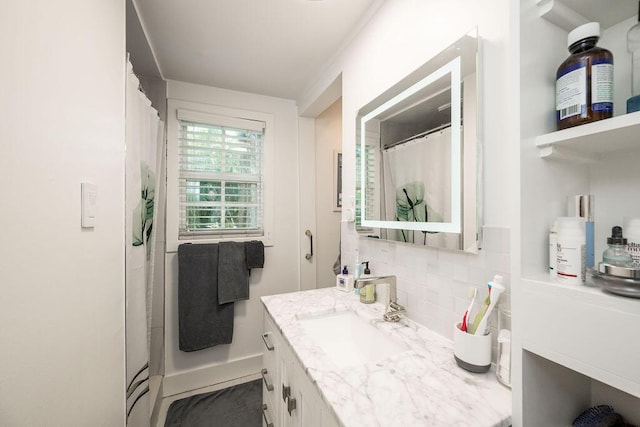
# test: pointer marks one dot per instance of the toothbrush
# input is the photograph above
(472, 295)
(496, 288)
(483, 309)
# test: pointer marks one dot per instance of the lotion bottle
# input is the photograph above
(553, 250)
(571, 266)
(582, 206)
(344, 281)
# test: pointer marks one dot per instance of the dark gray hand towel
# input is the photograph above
(254, 251)
(233, 274)
(202, 321)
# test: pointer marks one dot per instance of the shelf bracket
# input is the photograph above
(560, 15)
(551, 152)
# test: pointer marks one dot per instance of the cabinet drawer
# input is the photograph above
(270, 344)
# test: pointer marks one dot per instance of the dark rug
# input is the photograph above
(236, 406)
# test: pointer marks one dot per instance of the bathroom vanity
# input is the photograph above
(331, 361)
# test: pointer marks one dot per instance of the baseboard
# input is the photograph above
(211, 375)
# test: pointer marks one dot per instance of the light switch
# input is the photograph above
(89, 194)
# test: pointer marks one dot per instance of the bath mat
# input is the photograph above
(236, 406)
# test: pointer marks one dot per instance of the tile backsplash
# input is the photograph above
(433, 284)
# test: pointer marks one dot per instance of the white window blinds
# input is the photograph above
(221, 176)
(370, 190)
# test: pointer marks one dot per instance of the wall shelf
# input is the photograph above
(575, 345)
(569, 14)
(585, 329)
(588, 142)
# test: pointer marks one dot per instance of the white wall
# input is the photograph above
(62, 122)
(189, 370)
(399, 38)
(328, 127)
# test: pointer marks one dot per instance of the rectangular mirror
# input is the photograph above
(418, 153)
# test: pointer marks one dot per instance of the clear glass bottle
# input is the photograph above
(617, 253)
(633, 46)
(584, 81)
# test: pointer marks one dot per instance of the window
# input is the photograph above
(217, 176)
(369, 192)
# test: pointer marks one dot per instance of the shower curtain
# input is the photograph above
(417, 182)
(143, 138)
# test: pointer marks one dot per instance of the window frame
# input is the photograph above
(211, 113)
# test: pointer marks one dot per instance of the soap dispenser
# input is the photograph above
(367, 272)
(367, 292)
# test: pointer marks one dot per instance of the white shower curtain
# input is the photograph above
(143, 136)
(424, 162)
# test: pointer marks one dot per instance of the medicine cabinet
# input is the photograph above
(418, 154)
(573, 342)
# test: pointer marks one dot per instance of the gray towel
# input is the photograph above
(202, 321)
(233, 274)
(254, 251)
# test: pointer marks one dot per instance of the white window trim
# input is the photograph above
(231, 114)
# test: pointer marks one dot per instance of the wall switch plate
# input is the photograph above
(88, 201)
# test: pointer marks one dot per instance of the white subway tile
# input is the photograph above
(434, 284)
(445, 269)
(477, 276)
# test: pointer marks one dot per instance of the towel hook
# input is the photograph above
(310, 236)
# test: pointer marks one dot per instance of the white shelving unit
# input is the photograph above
(590, 141)
(578, 346)
(568, 14)
(585, 329)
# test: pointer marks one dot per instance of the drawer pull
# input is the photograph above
(286, 392)
(309, 254)
(264, 415)
(269, 346)
(291, 405)
(266, 381)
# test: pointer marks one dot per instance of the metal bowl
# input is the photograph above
(623, 281)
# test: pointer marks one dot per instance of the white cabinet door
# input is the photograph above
(309, 403)
(328, 419)
(289, 398)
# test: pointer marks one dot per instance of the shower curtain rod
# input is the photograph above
(419, 135)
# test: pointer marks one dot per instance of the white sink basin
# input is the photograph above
(348, 340)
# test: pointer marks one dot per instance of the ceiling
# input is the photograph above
(269, 47)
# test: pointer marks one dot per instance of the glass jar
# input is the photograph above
(503, 360)
(584, 81)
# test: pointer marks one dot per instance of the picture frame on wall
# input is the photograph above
(337, 181)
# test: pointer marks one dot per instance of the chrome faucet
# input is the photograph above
(394, 310)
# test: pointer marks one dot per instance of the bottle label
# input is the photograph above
(571, 263)
(602, 85)
(633, 248)
(571, 92)
(553, 253)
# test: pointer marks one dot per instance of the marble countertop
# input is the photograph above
(422, 386)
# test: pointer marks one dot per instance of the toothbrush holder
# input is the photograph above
(472, 352)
